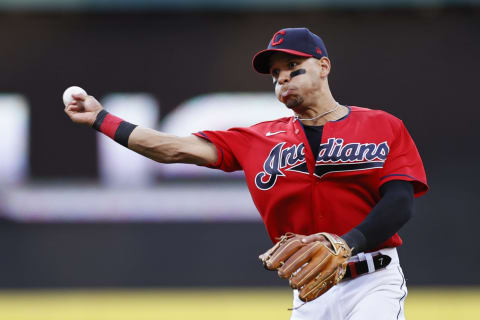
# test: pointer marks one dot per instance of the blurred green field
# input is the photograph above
(247, 303)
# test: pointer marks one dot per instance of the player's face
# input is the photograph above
(297, 80)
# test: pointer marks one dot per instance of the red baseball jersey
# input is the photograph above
(334, 191)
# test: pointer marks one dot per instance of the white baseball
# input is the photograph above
(67, 94)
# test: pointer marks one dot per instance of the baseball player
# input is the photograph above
(333, 183)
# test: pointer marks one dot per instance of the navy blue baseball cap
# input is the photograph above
(295, 41)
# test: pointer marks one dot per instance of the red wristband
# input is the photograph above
(114, 127)
(110, 125)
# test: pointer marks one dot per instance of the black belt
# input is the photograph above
(355, 269)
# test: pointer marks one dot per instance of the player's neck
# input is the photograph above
(325, 109)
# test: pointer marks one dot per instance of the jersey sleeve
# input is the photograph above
(404, 162)
(228, 144)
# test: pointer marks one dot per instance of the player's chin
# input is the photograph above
(292, 101)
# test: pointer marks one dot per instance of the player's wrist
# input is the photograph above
(356, 240)
(99, 117)
(113, 127)
(94, 117)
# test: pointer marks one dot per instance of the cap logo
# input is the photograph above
(277, 38)
(318, 50)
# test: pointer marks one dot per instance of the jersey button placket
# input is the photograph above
(318, 189)
(309, 159)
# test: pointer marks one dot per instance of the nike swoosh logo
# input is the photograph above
(268, 134)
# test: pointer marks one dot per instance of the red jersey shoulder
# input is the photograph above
(261, 126)
(374, 114)
(265, 128)
(270, 125)
(377, 117)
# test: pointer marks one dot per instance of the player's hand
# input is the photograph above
(290, 244)
(316, 237)
(303, 253)
(83, 109)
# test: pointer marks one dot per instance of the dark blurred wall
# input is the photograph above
(192, 254)
(419, 65)
(422, 66)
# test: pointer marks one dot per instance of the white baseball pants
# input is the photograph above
(379, 295)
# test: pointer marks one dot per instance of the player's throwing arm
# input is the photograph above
(161, 147)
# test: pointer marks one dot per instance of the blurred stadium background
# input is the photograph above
(91, 231)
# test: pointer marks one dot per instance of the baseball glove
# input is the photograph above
(312, 267)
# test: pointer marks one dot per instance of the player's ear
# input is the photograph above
(325, 66)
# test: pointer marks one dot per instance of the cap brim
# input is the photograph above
(261, 61)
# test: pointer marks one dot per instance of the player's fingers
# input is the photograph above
(313, 237)
(68, 105)
(317, 268)
(74, 108)
(79, 96)
(317, 237)
(78, 109)
(74, 102)
(298, 259)
(279, 256)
